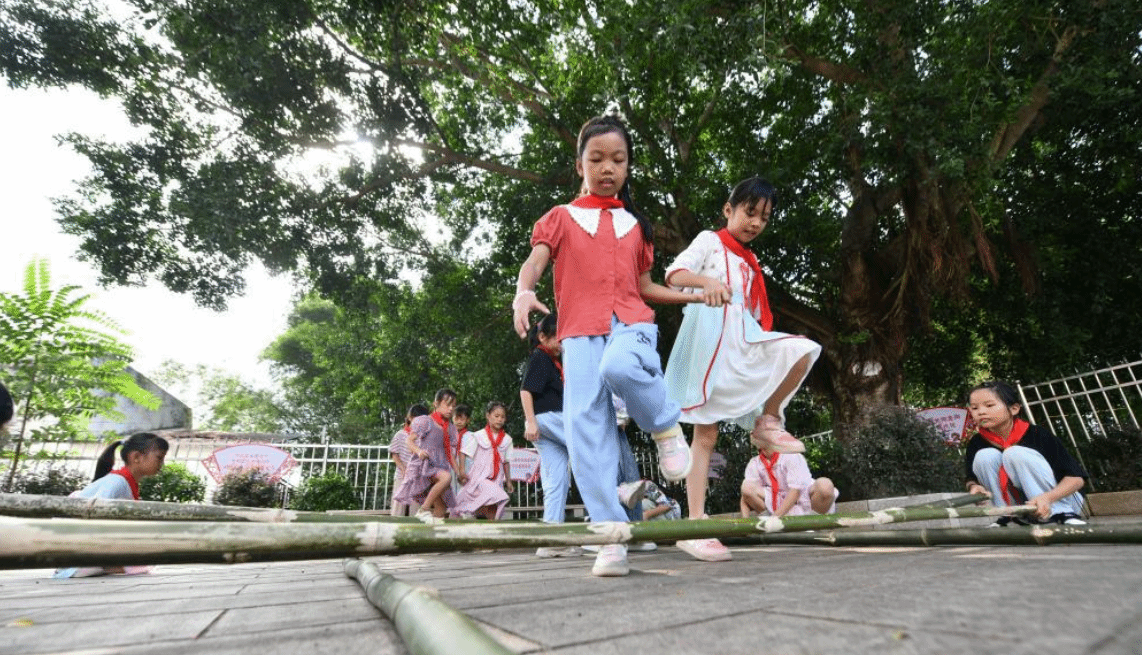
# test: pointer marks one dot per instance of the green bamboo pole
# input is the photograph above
(35, 506)
(427, 624)
(33, 543)
(1036, 535)
(956, 501)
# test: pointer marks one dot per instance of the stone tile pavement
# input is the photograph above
(768, 600)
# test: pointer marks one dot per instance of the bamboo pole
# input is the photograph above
(956, 501)
(35, 506)
(1035, 535)
(427, 624)
(34, 543)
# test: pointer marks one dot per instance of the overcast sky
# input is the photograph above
(161, 325)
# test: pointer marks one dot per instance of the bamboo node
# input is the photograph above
(770, 524)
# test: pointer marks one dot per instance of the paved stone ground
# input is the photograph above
(768, 600)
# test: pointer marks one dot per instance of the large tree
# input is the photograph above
(888, 124)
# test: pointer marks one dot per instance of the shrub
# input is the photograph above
(1114, 459)
(173, 484)
(250, 487)
(825, 456)
(321, 493)
(51, 482)
(897, 453)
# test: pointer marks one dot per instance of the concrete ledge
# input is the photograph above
(1116, 503)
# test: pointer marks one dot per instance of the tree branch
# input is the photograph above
(836, 73)
(1008, 135)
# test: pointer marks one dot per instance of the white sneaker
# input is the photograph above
(643, 546)
(707, 550)
(591, 549)
(673, 454)
(425, 516)
(611, 561)
(631, 493)
(547, 552)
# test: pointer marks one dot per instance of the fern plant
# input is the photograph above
(63, 362)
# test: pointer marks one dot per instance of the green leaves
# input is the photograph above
(62, 361)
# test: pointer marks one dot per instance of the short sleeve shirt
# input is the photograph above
(111, 486)
(599, 256)
(542, 379)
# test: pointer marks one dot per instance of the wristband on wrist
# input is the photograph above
(523, 292)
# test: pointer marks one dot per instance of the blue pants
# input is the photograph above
(554, 475)
(628, 472)
(1028, 470)
(627, 363)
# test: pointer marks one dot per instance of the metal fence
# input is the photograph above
(368, 467)
(1086, 404)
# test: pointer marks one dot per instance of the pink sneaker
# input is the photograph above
(767, 431)
(707, 550)
(673, 454)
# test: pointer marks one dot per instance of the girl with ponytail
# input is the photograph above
(143, 454)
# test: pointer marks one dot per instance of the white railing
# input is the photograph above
(1087, 404)
(367, 466)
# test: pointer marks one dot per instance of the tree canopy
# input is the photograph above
(922, 150)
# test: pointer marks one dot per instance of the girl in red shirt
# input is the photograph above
(602, 249)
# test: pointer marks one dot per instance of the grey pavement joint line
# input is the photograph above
(202, 633)
(426, 624)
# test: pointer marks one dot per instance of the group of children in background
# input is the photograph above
(445, 470)
(598, 363)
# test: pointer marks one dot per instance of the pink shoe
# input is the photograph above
(673, 453)
(707, 550)
(767, 431)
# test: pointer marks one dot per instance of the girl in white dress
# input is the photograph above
(727, 364)
(486, 492)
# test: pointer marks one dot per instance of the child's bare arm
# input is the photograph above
(414, 445)
(791, 499)
(525, 301)
(715, 293)
(656, 293)
(658, 510)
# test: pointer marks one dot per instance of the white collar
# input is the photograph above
(588, 219)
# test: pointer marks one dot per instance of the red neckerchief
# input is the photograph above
(757, 299)
(496, 441)
(769, 463)
(554, 360)
(444, 426)
(591, 201)
(1018, 429)
(126, 473)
